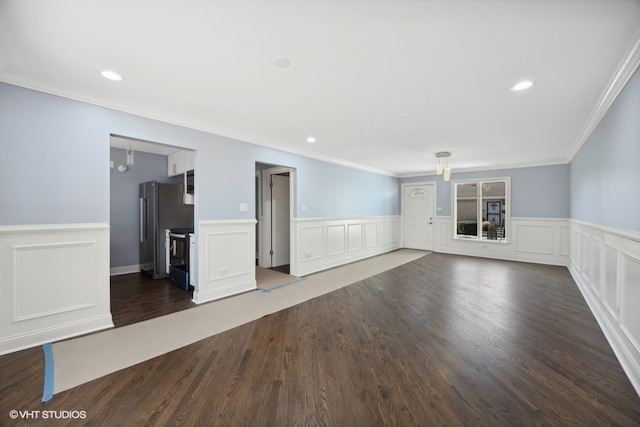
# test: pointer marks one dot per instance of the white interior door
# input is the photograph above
(280, 221)
(418, 216)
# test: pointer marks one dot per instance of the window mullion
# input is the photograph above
(479, 211)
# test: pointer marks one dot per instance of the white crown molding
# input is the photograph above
(183, 122)
(629, 64)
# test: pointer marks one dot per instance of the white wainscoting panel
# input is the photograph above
(226, 259)
(605, 263)
(538, 240)
(323, 243)
(354, 233)
(610, 283)
(565, 241)
(371, 235)
(313, 236)
(445, 232)
(54, 281)
(390, 232)
(73, 261)
(336, 243)
(630, 301)
(535, 239)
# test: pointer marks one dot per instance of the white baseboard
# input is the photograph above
(127, 269)
(200, 297)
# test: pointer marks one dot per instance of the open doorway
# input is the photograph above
(141, 288)
(274, 193)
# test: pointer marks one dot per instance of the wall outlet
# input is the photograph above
(244, 207)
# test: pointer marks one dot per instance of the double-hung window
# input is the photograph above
(482, 209)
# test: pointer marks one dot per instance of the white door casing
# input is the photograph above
(276, 217)
(418, 215)
(280, 221)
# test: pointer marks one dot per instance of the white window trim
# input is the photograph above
(507, 210)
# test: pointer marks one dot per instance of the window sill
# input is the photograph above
(483, 241)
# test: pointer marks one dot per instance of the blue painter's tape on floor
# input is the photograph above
(47, 394)
(299, 279)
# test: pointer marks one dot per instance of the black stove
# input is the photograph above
(178, 257)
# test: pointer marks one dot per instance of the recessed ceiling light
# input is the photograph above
(111, 75)
(281, 62)
(311, 140)
(525, 84)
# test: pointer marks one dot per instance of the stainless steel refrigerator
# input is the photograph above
(161, 208)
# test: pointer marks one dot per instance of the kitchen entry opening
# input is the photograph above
(152, 195)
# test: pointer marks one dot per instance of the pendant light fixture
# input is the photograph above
(446, 171)
(130, 159)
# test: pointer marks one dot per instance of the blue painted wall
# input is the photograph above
(53, 166)
(605, 174)
(55, 156)
(536, 192)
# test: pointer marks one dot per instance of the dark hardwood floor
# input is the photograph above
(444, 340)
(136, 297)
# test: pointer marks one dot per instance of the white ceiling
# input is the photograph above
(381, 84)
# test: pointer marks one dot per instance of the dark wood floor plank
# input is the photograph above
(137, 297)
(444, 340)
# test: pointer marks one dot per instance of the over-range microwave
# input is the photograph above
(189, 187)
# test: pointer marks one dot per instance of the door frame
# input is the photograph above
(264, 214)
(435, 208)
